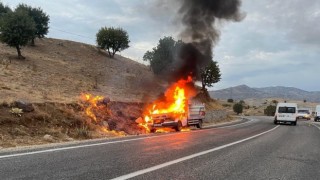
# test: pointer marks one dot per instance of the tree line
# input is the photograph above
(22, 25)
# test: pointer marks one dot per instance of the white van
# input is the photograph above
(286, 112)
(317, 113)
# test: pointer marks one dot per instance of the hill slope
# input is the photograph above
(245, 92)
(59, 70)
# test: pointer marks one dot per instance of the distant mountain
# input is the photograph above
(246, 92)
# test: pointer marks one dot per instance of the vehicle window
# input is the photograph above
(303, 111)
(287, 110)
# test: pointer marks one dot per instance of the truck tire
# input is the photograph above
(179, 126)
(200, 124)
(294, 123)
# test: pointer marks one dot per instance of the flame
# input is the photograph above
(93, 101)
(175, 103)
(92, 107)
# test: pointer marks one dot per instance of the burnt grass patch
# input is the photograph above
(66, 122)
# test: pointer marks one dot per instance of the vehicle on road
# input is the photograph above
(304, 114)
(317, 113)
(286, 113)
(194, 116)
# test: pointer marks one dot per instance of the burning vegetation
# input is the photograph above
(98, 111)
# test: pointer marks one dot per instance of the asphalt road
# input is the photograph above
(256, 149)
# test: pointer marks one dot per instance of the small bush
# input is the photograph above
(230, 101)
(238, 108)
(270, 110)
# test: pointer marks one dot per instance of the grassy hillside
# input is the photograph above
(59, 70)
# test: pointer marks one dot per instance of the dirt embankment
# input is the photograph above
(59, 122)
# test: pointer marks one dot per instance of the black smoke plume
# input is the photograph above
(200, 18)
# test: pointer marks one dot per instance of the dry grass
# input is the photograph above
(59, 73)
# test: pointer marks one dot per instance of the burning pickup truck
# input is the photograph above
(177, 109)
(194, 116)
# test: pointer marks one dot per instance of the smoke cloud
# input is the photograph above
(201, 33)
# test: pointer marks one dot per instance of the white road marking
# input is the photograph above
(234, 125)
(75, 147)
(99, 144)
(143, 171)
(315, 125)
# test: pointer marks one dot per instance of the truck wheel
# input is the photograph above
(275, 121)
(200, 124)
(179, 126)
(153, 130)
(294, 123)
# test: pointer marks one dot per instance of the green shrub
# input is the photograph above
(270, 110)
(238, 108)
(230, 101)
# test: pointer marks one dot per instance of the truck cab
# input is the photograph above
(194, 116)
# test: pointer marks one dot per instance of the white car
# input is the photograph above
(286, 113)
(304, 114)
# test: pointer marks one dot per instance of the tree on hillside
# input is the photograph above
(210, 75)
(17, 29)
(270, 110)
(40, 18)
(113, 40)
(162, 56)
(238, 108)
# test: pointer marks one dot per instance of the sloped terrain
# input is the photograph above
(53, 76)
(59, 70)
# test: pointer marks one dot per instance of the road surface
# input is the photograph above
(255, 149)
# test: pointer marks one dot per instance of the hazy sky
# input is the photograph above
(277, 44)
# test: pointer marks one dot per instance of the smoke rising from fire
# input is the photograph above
(200, 32)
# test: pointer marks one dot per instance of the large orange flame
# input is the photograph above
(175, 103)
